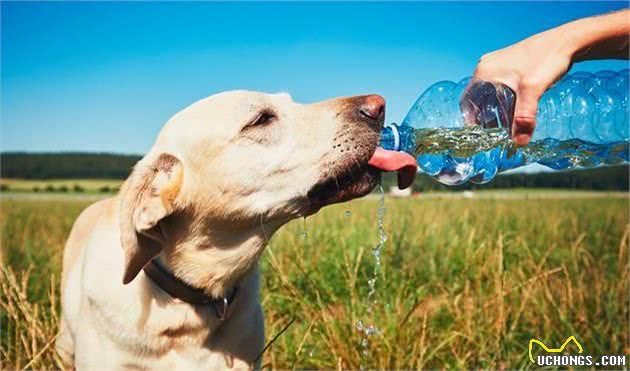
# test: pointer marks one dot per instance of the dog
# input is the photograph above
(164, 274)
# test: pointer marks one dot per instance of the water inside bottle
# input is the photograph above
(457, 155)
(459, 142)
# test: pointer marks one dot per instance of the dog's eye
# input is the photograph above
(263, 118)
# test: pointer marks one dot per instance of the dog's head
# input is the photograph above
(250, 156)
(244, 163)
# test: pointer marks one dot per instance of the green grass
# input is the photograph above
(464, 283)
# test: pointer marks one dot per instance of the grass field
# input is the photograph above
(464, 283)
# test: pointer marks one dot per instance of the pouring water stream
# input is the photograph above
(370, 328)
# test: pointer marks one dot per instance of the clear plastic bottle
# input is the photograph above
(460, 132)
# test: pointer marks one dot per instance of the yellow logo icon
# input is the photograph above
(553, 350)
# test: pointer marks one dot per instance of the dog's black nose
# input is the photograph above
(372, 107)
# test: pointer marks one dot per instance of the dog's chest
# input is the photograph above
(188, 360)
(151, 330)
(170, 344)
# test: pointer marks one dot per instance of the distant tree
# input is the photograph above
(77, 188)
(601, 178)
(63, 188)
(49, 188)
(4, 187)
(105, 189)
(36, 189)
(71, 165)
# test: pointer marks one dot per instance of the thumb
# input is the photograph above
(525, 115)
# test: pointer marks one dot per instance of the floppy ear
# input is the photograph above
(147, 197)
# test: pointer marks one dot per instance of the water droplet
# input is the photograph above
(371, 330)
(348, 213)
(359, 325)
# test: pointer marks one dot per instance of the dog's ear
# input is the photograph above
(147, 197)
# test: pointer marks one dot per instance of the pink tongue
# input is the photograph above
(401, 162)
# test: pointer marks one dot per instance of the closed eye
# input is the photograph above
(264, 118)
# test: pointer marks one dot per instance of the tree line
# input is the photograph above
(78, 165)
(605, 178)
(70, 165)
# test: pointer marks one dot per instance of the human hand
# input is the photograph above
(528, 68)
(531, 66)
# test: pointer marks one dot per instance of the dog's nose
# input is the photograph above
(372, 107)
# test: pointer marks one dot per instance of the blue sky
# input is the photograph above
(107, 76)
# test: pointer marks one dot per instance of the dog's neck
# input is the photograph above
(212, 256)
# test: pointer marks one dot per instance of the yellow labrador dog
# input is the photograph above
(164, 275)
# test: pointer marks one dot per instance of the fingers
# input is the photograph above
(525, 115)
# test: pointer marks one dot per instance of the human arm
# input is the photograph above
(531, 66)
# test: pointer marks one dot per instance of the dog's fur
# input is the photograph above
(223, 175)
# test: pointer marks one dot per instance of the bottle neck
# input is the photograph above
(392, 137)
(396, 137)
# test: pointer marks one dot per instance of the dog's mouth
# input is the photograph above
(359, 180)
(356, 181)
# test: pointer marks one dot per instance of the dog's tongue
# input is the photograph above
(401, 162)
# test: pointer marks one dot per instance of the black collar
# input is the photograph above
(179, 289)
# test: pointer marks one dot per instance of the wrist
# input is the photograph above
(575, 37)
(585, 37)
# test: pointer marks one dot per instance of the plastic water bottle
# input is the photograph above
(460, 132)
